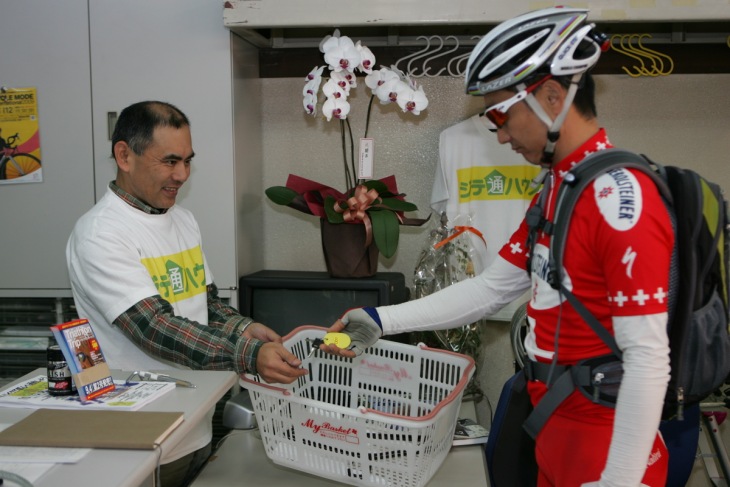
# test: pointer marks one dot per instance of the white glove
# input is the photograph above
(364, 328)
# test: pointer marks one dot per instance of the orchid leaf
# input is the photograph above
(281, 195)
(385, 231)
(329, 208)
(398, 205)
(378, 186)
(414, 222)
(386, 213)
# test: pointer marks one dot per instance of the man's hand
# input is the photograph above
(276, 364)
(363, 327)
(261, 332)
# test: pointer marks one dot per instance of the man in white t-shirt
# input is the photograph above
(139, 274)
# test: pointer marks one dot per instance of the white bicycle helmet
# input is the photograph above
(555, 41)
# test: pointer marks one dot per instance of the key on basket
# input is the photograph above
(342, 340)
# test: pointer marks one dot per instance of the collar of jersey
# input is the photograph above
(598, 142)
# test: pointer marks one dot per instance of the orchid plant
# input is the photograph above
(389, 85)
(364, 200)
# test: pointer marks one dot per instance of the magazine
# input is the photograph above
(85, 359)
(127, 396)
(469, 432)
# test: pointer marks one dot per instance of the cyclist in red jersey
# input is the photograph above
(533, 74)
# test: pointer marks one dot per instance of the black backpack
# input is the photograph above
(698, 289)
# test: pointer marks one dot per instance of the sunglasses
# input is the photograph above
(497, 114)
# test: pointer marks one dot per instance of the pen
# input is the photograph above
(165, 378)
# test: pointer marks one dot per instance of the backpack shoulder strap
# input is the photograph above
(577, 180)
(570, 190)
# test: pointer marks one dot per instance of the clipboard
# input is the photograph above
(135, 430)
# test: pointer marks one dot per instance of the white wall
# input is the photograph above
(678, 119)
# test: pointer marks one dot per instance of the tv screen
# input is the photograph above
(284, 300)
(285, 309)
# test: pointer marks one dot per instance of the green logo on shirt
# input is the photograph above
(178, 276)
(496, 183)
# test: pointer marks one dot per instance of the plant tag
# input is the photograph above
(365, 168)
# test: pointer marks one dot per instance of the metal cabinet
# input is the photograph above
(46, 46)
(89, 60)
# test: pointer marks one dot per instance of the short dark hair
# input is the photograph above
(136, 124)
(585, 97)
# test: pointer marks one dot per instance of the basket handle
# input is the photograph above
(248, 378)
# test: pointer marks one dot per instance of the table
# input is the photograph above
(241, 459)
(132, 468)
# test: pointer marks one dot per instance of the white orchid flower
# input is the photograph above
(343, 57)
(313, 79)
(327, 38)
(350, 77)
(310, 104)
(387, 92)
(367, 58)
(340, 54)
(311, 87)
(397, 71)
(315, 73)
(342, 80)
(382, 82)
(378, 77)
(410, 100)
(332, 89)
(335, 107)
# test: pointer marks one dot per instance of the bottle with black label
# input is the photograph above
(60, 382)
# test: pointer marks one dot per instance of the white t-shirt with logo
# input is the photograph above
(484, 184)
(117, 256)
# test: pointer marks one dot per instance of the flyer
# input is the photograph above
(20, 145)
(127, 396)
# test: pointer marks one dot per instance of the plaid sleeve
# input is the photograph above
(223, 316)
(154, 327)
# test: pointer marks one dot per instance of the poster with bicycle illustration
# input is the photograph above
(20, 143)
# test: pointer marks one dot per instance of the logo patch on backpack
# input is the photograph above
(619, 199)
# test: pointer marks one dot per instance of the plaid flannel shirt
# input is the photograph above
(154, 327)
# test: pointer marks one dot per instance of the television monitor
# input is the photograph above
(284, 300)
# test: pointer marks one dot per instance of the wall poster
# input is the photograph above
(20, 145)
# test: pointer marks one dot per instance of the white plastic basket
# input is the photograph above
(385, 418)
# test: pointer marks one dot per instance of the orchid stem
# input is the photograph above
(367, 117)
(352, 154)
(348, 177)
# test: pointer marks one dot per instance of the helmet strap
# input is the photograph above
(554, 125)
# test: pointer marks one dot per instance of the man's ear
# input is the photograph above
(122, 154)
(553, 94)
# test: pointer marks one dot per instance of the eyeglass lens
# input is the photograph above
(497, 114)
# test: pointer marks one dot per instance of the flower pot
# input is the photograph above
(345, 252)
